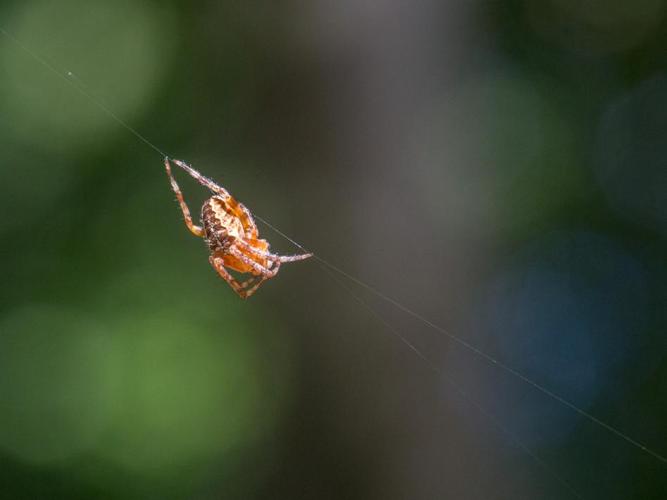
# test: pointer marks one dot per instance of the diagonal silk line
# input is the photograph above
(78, 85)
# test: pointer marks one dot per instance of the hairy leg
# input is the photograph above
(243, 290)
(259, 268)
(245, 217)
(269, 255)
(196, 230)
(204, 181)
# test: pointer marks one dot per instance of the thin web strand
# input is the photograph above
(467, 345)
(371, 289)
(75, 82)
(512, 437)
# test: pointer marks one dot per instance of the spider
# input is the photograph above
(231, 235)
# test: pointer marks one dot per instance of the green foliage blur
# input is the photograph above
(498, 166)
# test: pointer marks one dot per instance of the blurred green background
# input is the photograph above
(498, 166)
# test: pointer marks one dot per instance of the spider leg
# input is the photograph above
(241, 289)
(245, 217)
(254, 288)
(228, 261)
(196, 230)
(293, 258)
(270, 256)
(204, 181)
(248, 282)
(263, 270)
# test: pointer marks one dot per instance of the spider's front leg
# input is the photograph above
(196, 230)
(204, 181)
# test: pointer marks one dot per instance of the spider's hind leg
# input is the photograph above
(243, 290)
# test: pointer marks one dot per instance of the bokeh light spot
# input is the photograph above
(57, 382)
(598, 26)
(115, 50)
(189, 392)
(631, 154)
(569, 317)
(518, 164)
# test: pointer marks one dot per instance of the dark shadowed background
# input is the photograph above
(499, 167)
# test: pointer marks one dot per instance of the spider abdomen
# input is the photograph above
(220, 226)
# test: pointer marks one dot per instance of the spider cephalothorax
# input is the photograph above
(231, 235)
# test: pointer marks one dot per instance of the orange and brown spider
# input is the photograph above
(231, 235)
